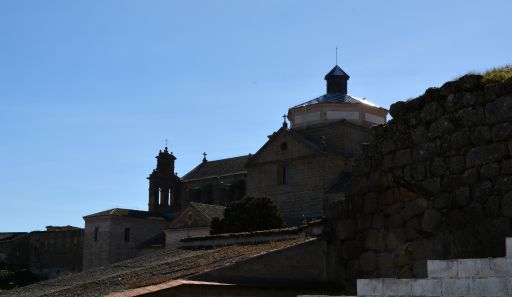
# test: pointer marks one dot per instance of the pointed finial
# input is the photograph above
(284, 121)
(204, 157)
(336, 55)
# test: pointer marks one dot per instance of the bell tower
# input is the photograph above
(163, 184)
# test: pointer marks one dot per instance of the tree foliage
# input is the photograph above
(248, 214)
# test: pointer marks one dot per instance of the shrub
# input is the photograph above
(247, 215)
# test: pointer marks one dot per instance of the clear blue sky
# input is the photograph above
(90, 90)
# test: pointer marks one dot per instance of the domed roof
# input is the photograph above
(335, 98)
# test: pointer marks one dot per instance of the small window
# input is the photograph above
(126, 234)
(284, 146)
(96, 233)
(282, 175)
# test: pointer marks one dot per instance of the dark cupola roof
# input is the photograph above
(336, 71)
(337, 81)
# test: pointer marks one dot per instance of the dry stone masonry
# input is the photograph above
(433, 183)
(462, 277)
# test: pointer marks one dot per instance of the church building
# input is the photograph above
(303, 166)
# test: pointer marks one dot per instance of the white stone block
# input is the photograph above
(397, 287)
(369, 287)
(508, 245)
(456, 287)
(509, 286)
(426, 287)
(501, 267)
(473, 268)
(490, 286)
(442, 268)
(320, 296)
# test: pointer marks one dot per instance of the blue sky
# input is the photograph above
(90, 90)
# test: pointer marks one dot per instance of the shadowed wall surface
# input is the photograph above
(433, 183)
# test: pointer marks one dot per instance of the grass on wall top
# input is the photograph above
(497, 75)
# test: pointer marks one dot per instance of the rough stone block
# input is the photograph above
(442, 268)
(506, 209)
(426, 287)
(367, 261)
(414, 208)
(384, 262)
(460, 138)
(485, 154)
(431, 220)
(498, 110)
(503, 184)
(481, 135)
(369, 287)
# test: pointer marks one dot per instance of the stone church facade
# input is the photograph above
(303, 167)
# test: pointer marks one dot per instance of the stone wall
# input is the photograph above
(14, 250)
(309, 179)
(314, 158)
(46, 253)
(111, 245)
(433, 183)
(53, 253)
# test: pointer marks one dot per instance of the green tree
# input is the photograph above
(248, 214)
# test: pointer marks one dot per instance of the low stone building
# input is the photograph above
(193, 221)
(117, 234)
(50, 253)
(57, 251)
(14, 250)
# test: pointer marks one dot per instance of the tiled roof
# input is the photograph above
(210, 211)
(122, 212)
(336, 98)
(217, 168)
(150, 269)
